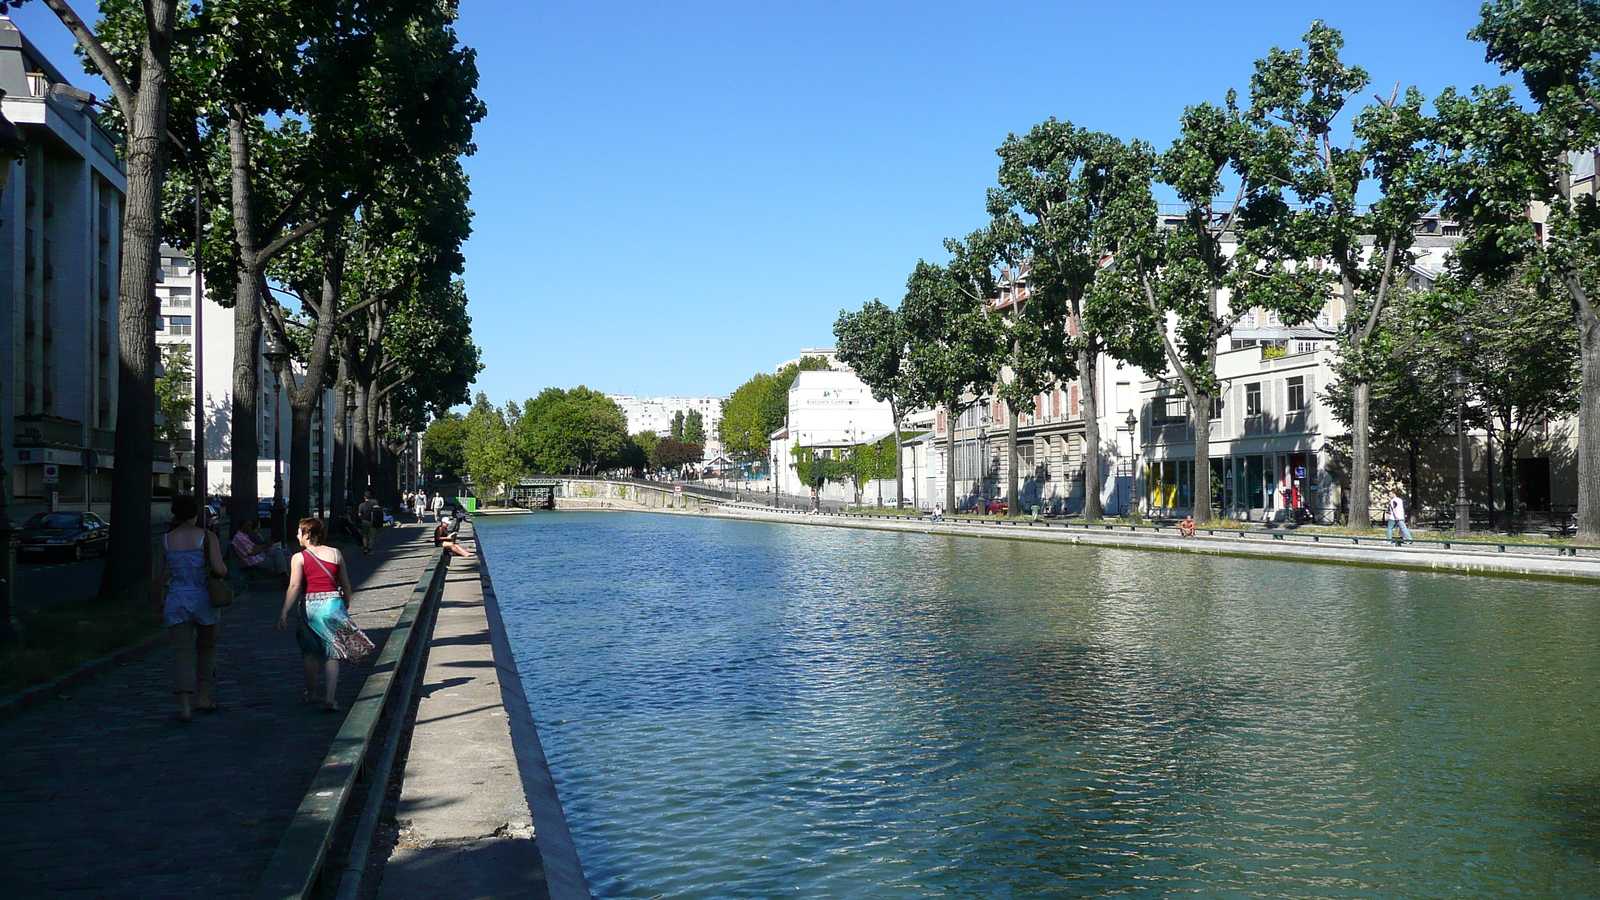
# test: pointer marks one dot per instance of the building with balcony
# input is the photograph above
(60, 242)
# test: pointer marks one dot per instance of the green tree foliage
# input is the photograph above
(444, 446)
(490, 456)
(1305, 196)
(1495, 155)
(648, 445)
(676, 428)
(1407, 375)
(953, 348)
(175, 391)
(1519, 365)
(759, 407)
(578, 431)
(694, 427)
(1062, 196)
(873, 342)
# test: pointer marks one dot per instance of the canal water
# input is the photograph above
(754, 710)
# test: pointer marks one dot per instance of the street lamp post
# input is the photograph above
(983, 461)
(277, 353)
(774, 479)
(12, 147)
(1133, 460)
(1458, 384)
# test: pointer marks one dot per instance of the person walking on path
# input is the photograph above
(188, 553)
(371, 520)
(1397, 515)
(320, 585)
(438, 505)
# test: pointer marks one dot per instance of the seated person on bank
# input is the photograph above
(1186, 527)
(256, 552)
(348, 525)
(442, 538)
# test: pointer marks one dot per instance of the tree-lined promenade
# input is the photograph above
(306, 153)
(1306, 190)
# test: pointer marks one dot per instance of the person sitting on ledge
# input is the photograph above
(254, 552)
(442, 538)
(1186, 527)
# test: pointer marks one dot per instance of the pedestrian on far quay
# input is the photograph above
(421, 502)
(371, 520)
(1397, 515)
(186, 556)
(438, 505)
(319, 586)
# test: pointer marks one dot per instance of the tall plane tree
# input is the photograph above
(951, 351)
(1296, 97)
(873, 342)
(1499, 158)
(1054, 213)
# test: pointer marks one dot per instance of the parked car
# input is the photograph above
(75, 534)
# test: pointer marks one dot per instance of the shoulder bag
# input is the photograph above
(217, 587)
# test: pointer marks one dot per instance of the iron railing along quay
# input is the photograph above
(1479, 543)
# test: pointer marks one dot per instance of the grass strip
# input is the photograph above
(60, 636)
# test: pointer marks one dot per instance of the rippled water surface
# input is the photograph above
(750, 710)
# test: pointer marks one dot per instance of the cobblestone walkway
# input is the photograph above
(103, 794)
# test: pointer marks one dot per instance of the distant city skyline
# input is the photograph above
(669, 200)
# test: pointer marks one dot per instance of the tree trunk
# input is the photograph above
(1508, 476)
(899, 472)
(244, 411)
(1588, 418)
(338, 486)
(1089, 407)
(127, 566)
(1360, 476)
(1013, 484)
(1416, 501)
(299, 459)
(1200, 421)
(304, 396)
(950, 459)
(360, 449)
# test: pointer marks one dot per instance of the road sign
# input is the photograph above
(677, 489)
(1299, 471)
(52, 473)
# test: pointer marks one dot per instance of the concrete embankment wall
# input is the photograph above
(478, 809)
(628, 495)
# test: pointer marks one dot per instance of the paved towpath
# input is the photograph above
(103, 794)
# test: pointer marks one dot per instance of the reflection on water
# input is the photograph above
(737, 709)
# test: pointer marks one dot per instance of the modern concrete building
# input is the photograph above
(190, 318)
(656, 413)
(60, 240)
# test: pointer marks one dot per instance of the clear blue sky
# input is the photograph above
(671, 197)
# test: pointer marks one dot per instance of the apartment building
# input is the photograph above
(191, 319)
(60, 240)
(656, 414)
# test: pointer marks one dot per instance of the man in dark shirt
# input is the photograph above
(371, 520)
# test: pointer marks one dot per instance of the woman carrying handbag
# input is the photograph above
(320, 586)
(185, 558)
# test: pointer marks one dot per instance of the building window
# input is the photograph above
(1168, 410)
(1252, 399)
(1297, 393)
(1216, 406)
(180, 324)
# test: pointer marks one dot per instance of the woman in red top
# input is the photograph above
(319, 573)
